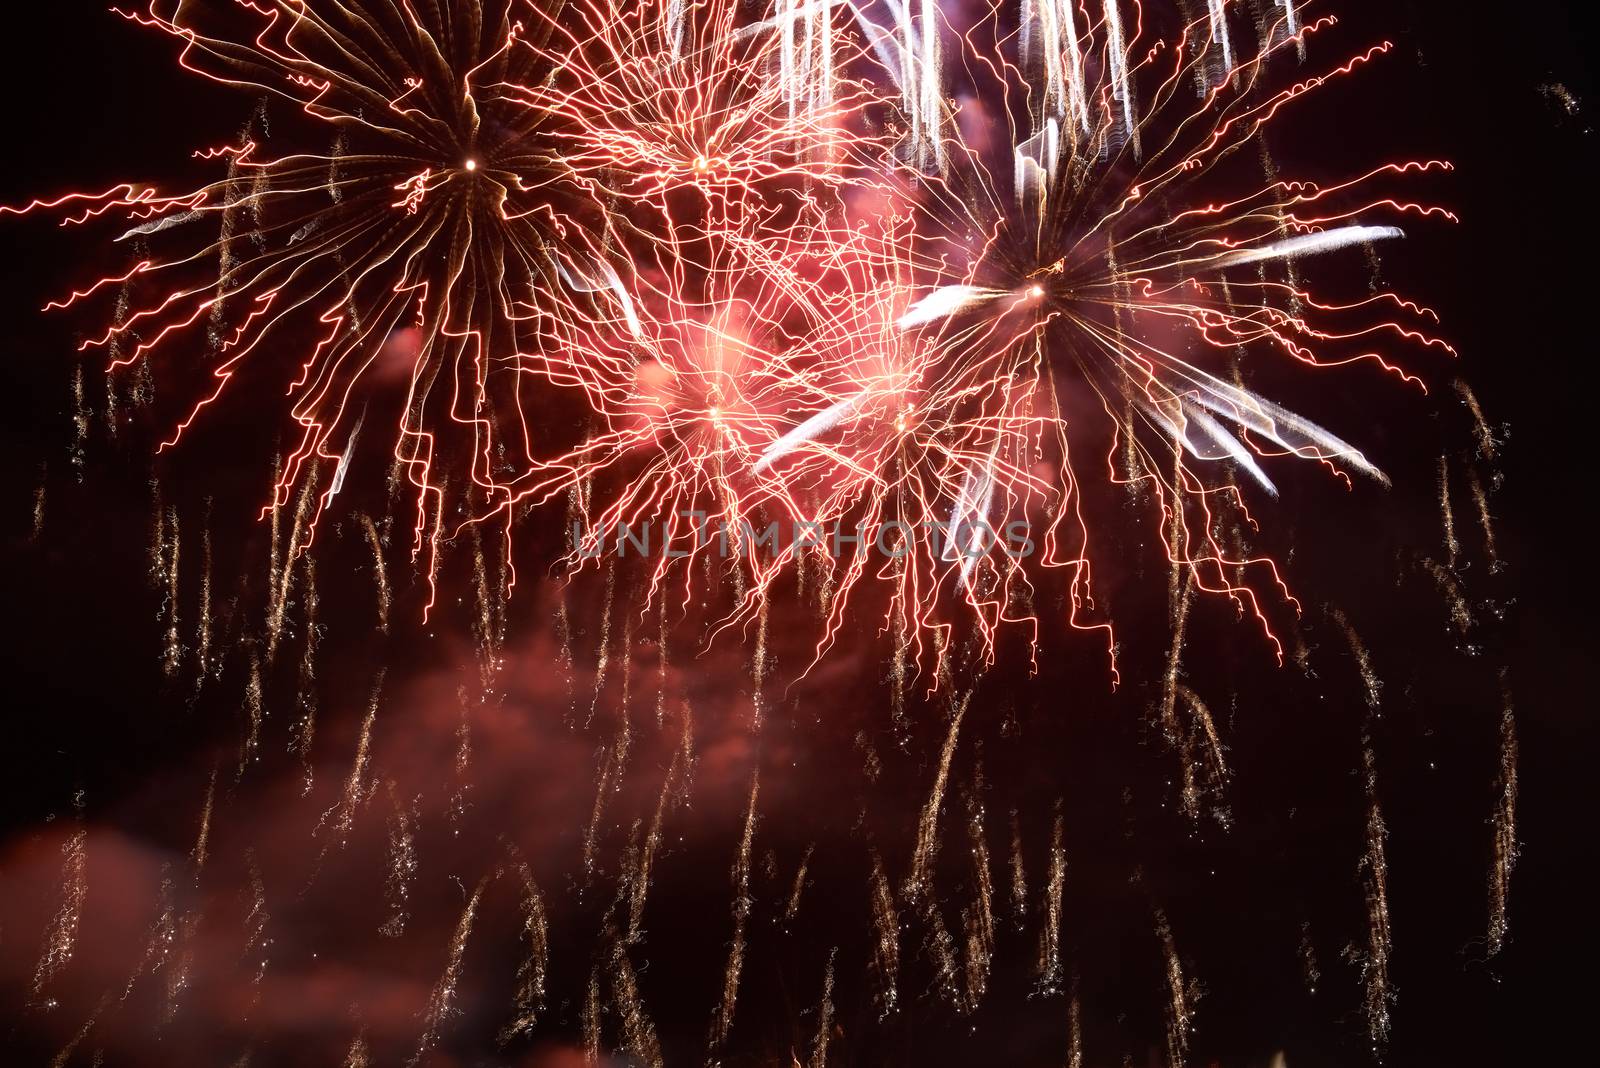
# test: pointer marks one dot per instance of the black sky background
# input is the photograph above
(89, 99)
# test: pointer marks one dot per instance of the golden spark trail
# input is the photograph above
(591, 1019)
(1488, 446)
(358, 1056)
(202, 843)
(792, 910)
(403, 863)
(919, 879)
(303, 731)
(639, 1040)
(1050, 969)
(1455, 596)
(61, 935)
(341, 817)
(1019, 874)
(380, 572)
(886, 943)
(1504, 852)
(533, 974)
(1375, 881)
(444, 991)
(255, 714)
(1180, 1009)
(1485, 519)
(256, 922)
(1074, 1027)
(671, 785)
(978, 917)
(1452, 546)
(722, 1023)
(825, 1008)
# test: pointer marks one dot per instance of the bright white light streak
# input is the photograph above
(1078, 98)
(166, 222)
(1279, 425)
(807, 431)
(1233, 446)
(969, 519)
(584, 283)
(1310, 244)
(1035, 160)
(946, 300)
(1117, 56)
(932, 104)
(344, 460)
(1219, 32)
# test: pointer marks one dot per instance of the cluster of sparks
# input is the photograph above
(698, 272)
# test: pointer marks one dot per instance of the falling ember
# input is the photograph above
(1488, 446)
(358, 1056)
(380, 573)
(1019, 875)
(256, 922)
(1205, 769)
(1051, 970)
(444, 991)
(1485, 519)
(792, 910)
(917, 882)
(202, 842)
(340, 819)
(1452, 546)
(1504, 852)
(255, 714)
(1371, 685)
(592, 1006)
(672, 786)
(203, 628)
(1374, 869)
(886, 943)
(940, 949)
(722, 1023)
(1454, 594)
(1180, 995)
(166, 553)
(1074, 1027)
(61, 936)
(1310, 971)
(533, 975)
(978, 916)
(40, 499)
(402, 864)
(819, 1046)
(639, 1041)
(65, 1055)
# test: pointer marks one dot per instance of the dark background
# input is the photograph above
(91, 99)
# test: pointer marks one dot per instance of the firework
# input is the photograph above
(1103, 252)
(434, 228)
(873, 306)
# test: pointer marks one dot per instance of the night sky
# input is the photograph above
(1261, 904)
